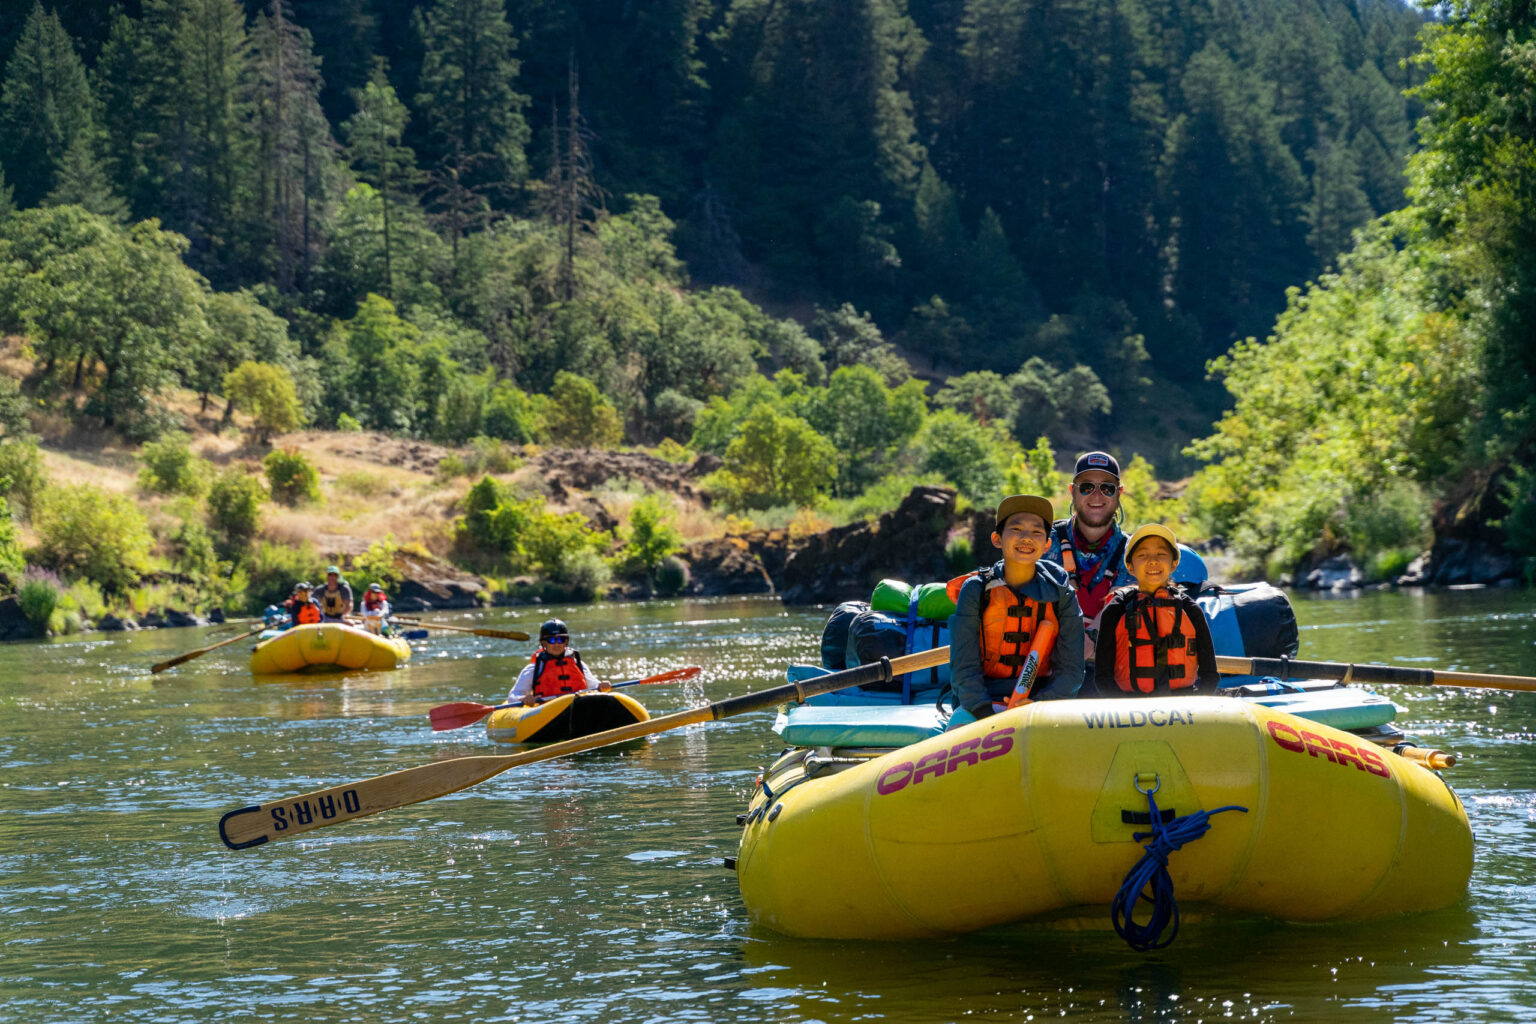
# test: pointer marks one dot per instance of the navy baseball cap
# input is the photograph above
(1102, 461)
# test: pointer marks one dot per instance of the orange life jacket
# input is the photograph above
(554, 676)
(1154, 645)
(308, 612)
(1011, 626)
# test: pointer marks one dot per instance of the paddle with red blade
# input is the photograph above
(462, 713)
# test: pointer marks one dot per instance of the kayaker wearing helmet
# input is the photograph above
(1153, 638)
(301, 609)
(1018, 615)
(553, 670)
(335, 597)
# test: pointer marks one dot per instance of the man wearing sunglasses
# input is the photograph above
(554, 670)
(1090, 544)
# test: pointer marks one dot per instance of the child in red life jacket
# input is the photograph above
(375, 610)
(999, 612)
(554, 670)
(1153, 638)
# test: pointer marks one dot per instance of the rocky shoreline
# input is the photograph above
(910, 542)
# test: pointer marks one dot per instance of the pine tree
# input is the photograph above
(471, 111)
(7, 196)
(570, 193)
(82, 181)
(378, 156)
(296, 175)
(45, 104)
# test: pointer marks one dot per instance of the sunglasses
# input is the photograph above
(1105, 487)
(557, 640)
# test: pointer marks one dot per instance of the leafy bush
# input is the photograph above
(22, 476)
(672, 576)
(1386, 525)
(266, 391)
(377, 565)
(670, 451)
(291, 477)
(171, 468)
(1141, 501)
(774, 460)
(958, 554)
(494, 521)
(586, 574)
(11, 561)
(651, 535)
(234, 510)
(1034, 472)
(348, 424)
(364, 484)
(1519, 526)
(553, 543)
(87, 532)
(491, 455)
(965, 453)
(39, 595)
(578, 415)
(273, 569)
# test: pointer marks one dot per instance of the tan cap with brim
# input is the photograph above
(1017, 503)
(1153, 530)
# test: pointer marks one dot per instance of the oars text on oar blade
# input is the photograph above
(280, 819)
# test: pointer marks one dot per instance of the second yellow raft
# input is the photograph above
(1032, 811)
(328, 645)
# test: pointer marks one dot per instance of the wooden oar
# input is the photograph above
(1284, 668)
(280, 819)
(461, 713)
(500, 634)
(202, 651)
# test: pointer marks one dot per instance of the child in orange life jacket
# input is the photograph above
(1153, 638)
(999, 610)
(554, 670)
(302, 610)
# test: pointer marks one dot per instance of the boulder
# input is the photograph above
(13, 622)
(112, 624)
(174, 617)
(847, 561)
(430, 583)
(726, 565)
(1337, 573)
(151, 620)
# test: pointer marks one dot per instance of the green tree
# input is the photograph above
(379, 157)
(234, 510)
(170, 467)
(579, 416)
(965, 453)
(983, 395)
(82, 181)
(83, 531)
(291, 477)
(371, 360)
(651, 536)
(265, 391)
(45, 105)
(866, 422)
(775, 460)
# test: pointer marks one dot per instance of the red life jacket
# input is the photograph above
(1010, 626)
(1155, 645)
(554, 676)
(373, 599)
(308, 612)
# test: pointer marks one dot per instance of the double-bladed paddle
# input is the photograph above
(180, 658)
(461, 713)
(280, 819)
(500, 634)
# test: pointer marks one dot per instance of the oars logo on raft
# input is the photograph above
(944, 761)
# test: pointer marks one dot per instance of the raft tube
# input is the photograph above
(565, 717)
(328, 645)
(1025, 813)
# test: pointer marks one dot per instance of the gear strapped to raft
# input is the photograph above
(1151, 872)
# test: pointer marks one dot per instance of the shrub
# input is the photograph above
(494, 522)
(84, 531)
(364, 484)
(39, 595)
(1394, 518)
(579, 415)
(671, 451)
(11, 561)
(651, 535)
(586, 574)
(553, 543)
(491, 455)
(958, 554)
(1034, 472)
(234, 510)
(377, 565)
(273, 569)
(266, 391)
(291, 477)
(450, 466)
(347, 424)
(22, 477)
(672, 576)
(171, 468)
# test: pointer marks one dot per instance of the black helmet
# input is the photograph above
(301, 586)
(553, 627)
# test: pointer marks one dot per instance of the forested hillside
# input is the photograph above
(1122, 185)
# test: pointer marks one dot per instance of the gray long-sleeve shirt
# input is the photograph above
(976, 692)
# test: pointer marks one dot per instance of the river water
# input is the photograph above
(591, 889)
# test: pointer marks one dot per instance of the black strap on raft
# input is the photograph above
(1151, 873)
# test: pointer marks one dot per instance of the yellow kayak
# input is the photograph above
(565, 717)
(1031, 812)
(328, 645)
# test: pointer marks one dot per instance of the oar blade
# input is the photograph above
(281, 819)
(457, 715)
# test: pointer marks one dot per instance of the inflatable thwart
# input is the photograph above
(1041, 804)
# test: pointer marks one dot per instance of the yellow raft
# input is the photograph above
(1031, 812)
(565, 717)
(328, 645)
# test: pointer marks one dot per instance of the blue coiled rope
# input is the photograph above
(1151, 872)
